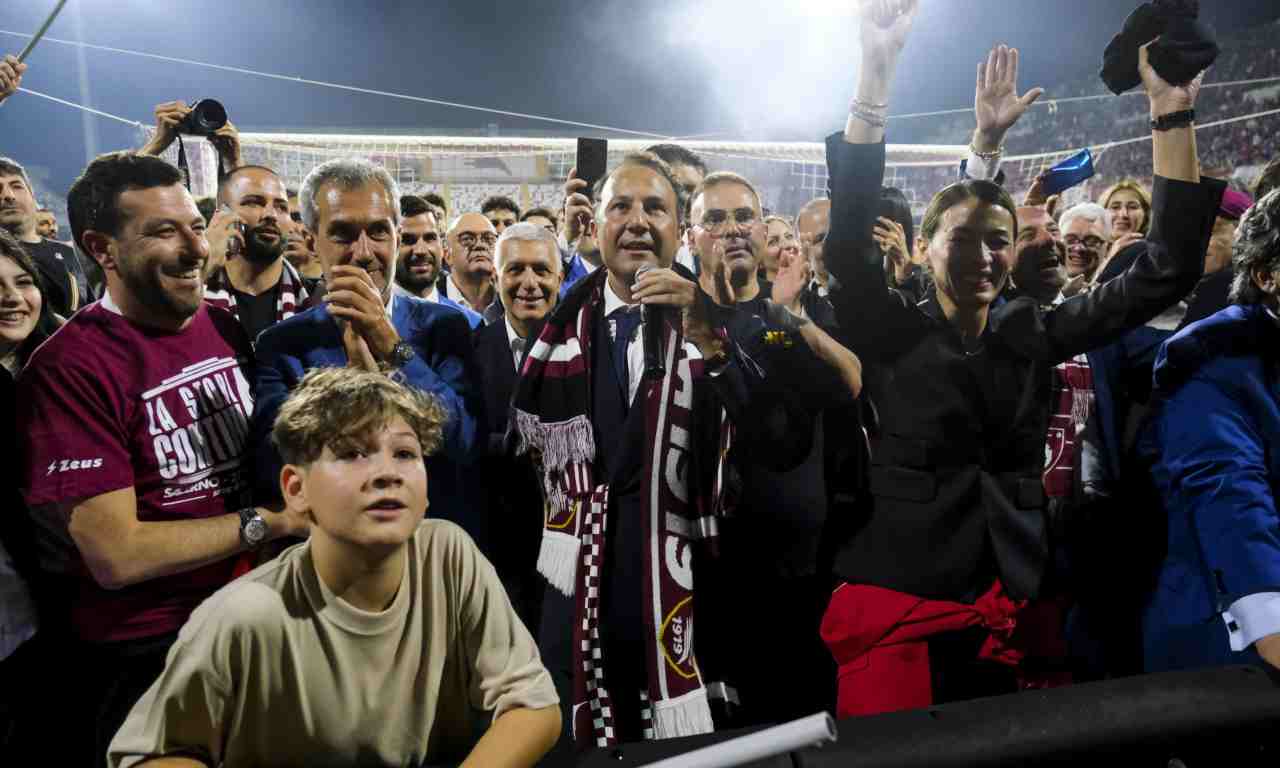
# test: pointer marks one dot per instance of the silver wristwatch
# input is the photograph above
(253, 529)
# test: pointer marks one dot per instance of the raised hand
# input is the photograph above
(168, 116)
(579, 217)
(885, 25)
(10, 75)
(892, 239)
(1164, 96)
(227, 142)
(996, 102)
(226, 238)
(351, 296)
(794, 274)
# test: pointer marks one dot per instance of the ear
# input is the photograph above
(1265, 279)
(448, 254)
(293, 487)
(101, 247)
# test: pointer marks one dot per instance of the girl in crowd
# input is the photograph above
(954, 541)
(26, 320)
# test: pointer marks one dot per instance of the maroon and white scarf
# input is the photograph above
(291, 294)
(553, 418)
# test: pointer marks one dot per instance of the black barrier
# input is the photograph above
(1228, 716)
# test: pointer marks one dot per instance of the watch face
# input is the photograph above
(255, 530)
(403, 353)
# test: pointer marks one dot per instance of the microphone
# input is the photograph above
(652, 318)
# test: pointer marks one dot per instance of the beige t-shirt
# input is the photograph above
(274, 669)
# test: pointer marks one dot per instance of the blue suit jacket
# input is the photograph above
(1215, 443)
(442, 367)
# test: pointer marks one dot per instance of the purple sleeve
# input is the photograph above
(77, 445)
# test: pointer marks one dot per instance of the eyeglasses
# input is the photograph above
(468, 239)
(718, 220)
(1092, 243)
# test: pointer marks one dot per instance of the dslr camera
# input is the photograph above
(204, 119)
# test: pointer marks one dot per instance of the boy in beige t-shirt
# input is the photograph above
(371, 643)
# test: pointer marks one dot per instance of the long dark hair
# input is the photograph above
(47, 322)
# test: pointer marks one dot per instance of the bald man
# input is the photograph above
(469, 253)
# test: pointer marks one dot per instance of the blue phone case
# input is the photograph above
(1068, 173)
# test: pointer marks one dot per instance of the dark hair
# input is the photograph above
(231, 174)
(11, 167)
(47, 322)
(658, 165)
(207, 207)
(433, 199)
(500, 203)
(545, 213)
(1257, 246)
(94, 199)
(954, 194)
(1269, 180)
(894, 206)
(674, 154)
(412, 205)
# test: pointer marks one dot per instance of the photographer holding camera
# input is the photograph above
(175, 117)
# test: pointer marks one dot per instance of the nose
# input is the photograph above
(362, 250)
(10, 296)
(197, 244)
(637, 220)
(386, 472)
(420, 248)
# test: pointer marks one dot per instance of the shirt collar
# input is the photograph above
(612, 301)
(512, 336)
(455, 293)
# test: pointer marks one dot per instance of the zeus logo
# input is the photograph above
(68, 465)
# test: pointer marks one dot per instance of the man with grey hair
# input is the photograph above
(353, 208)
(1086, 231)
(529, 275)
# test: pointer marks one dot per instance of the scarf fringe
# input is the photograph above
(561, 442)
(687, 715)
(558, 560)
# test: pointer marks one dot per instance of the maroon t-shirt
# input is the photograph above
(106, 404)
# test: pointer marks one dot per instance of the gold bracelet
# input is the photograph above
(987, 156)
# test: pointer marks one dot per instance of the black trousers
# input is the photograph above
(99, 685)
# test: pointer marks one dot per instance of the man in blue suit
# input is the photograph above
(1214, 441)
(353, 208)
(421, 256)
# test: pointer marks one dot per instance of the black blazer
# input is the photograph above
(512, 492)
(955, 482)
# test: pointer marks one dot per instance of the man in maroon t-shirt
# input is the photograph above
(136, 413)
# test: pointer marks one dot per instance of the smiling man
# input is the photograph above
(353, 209)
(65, 281)
(1086, 230)
(529, 275)
(260, 287)
(136, 419)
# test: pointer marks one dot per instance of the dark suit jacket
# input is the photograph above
(955, 482)
(442, 366)
(511, 487)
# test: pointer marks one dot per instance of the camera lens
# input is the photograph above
(207, 116)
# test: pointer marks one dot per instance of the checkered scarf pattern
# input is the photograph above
(552, 417)
(291, 294)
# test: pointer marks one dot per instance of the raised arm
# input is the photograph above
(866, 309)
(996, 108)
(1183, 209)
(10, 76)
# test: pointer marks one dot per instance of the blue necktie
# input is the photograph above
(622, 327)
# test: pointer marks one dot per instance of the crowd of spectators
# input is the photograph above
(337, 475)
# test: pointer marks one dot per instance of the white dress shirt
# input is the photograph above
(516, 342)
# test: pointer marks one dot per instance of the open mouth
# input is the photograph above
(386, 509)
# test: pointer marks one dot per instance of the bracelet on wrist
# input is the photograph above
(986, 156)
(1172, 120)
(870, 118)
(869, 106)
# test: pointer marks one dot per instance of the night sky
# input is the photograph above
(747, 70)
